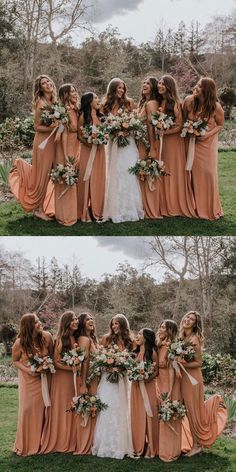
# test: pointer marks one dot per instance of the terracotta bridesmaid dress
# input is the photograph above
(176, 197)
(91, 193)
(29, 182)
(204, 170)
(207, 419)
(31, 412)
(144, 428)
(85, 435)
(59, 433)
(169, 440)
(150, 198)
(61, 200)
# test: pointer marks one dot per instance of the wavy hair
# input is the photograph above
(110, 97)
(38, 92)
(64, 93)
(125, 333)
(172, 95)
(28, 342)
(155, 95)
(207, 105)
(197, 328)
(171, 330)
(150, 343)
(81, 328)
(86, 109)
(63, 333)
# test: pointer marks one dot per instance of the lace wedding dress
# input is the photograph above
(123, 201)
(112, 436)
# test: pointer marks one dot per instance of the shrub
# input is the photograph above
(219, 369)
(16, 135)
(8, 333)
(231, 408)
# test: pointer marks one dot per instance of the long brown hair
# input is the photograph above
(197, 328)
(110, 97)
(154, 92)
(30, 343)
(38, 92)
(171, 331)
(125, 333)
(63, 333)
(172, 95)
(81, 328)
(207, 104)
(64, 93)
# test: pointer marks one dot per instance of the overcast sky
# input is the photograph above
(140, 18)
(94, 255)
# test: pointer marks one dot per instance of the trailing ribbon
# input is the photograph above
(84, 422)
(177, 366)
(151, 185)
(58, 130)
(90, 162)
(191, 153)
(145, 398)
(45, 392)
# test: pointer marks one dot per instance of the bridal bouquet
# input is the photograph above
(67, 174)
(140, 371)
(161, 121)
(194, 129)
(113, 361)
(74, 357)
(170, 410)
(94, 134)
(89, 405)
(124, 124)
(148, 169)
(42, 365)
(183, 349)
(53, 113)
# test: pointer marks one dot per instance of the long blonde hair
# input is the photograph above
(197, 328)
(37, 91)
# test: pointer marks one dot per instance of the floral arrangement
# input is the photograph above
(124, 124)
(194, 128)
(140, 371)
(113, 361)
(170, 410)
(55, 112)
(89, 405)
(67, 174)
(161, 121)
(74, 357)
(42, 365)
(182, 349)
(148, 168)
(94, 134)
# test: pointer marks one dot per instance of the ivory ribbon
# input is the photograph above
(84, 421)
(45, 392)
(145, 398)
(161, 146)
(191, 153)
(58, 130)
(151, 185)
(75, 383)
(177, 366)
(90, 162)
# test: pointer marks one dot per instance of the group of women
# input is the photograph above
(127, 427)
(105, 189)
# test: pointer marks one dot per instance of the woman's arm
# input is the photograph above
(155, 373)
(219, 119)
(151, 107)
(37, 120)
(57, 359)
(80, 134)
(49, 341)
(197, 358)
(16, 356)
(178, 121)
(84, 343)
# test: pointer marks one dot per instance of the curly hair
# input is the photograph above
(110, 97)
(124, 334)
(81, 328)
(197, 328)
(30, 344)
(171, 330)
(154, 95)
(38, 92)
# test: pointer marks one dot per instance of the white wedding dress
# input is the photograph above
(112, 437)
(123, 200)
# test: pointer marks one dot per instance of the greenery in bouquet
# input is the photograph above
(89, 405)
(124, 124)
(183, 349)
(74, 357)
(140, 371)
(162, 121)
(170, 409)
(94, 134)
(111, 360)
(67, 174)
(42, 364)
(195, 129)
(54, 113)
(148, 168)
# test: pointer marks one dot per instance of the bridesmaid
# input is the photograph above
(149, 103)
(68, 146)
(91, 192)
(29, 182)
(176, 192)
(203, 104)
(167, 382)
(32, 340)
(59, 433)
(207, 418)
(86, 334)
(144, 427)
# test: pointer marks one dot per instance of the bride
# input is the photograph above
(112, 436)
(123, 201)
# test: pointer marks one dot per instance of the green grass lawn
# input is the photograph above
(221, 457)
(13, 220)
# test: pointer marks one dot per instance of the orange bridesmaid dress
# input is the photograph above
(204, 170)
(61, 200)
(150, 198)
(59, 434)
(31, 412)
(29, 182)
(91, 192)
(207, 419)
(176, 198)
(169, 439)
